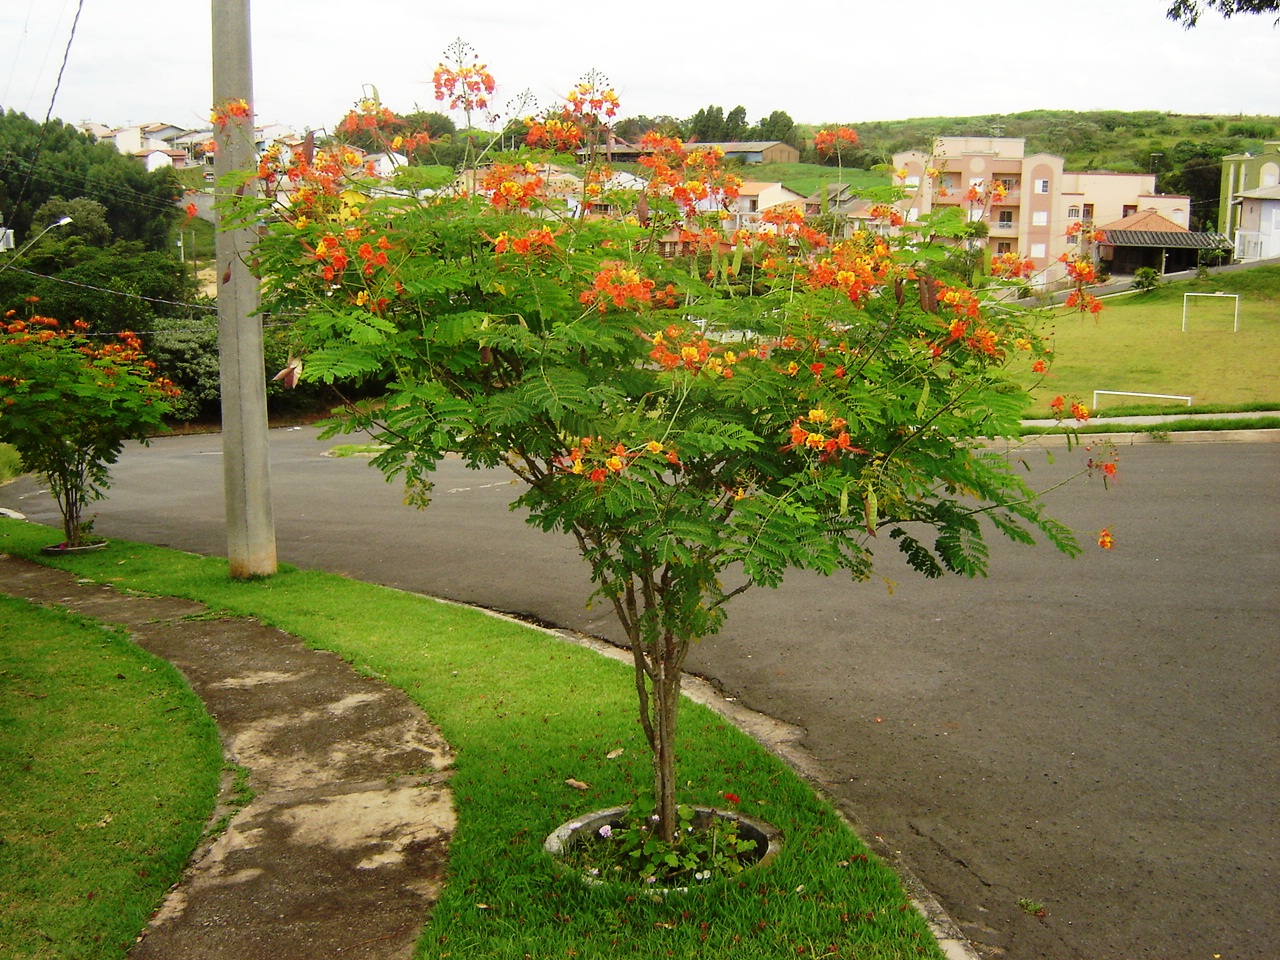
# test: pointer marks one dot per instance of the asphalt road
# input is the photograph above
(1099, 734)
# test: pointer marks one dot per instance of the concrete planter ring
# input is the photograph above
(61, 549)
(767, 837)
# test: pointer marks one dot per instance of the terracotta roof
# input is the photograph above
(1147, 220)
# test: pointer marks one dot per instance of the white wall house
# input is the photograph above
(1258, 234)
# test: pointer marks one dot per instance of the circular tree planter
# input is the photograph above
(61, 549)
(768, 839)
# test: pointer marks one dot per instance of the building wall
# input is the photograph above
(1245, 171)
(1258, 235)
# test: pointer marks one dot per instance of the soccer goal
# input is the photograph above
(1207, 310)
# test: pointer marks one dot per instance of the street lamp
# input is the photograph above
(27, 246)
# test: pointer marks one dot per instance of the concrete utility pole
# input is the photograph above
(251, 535)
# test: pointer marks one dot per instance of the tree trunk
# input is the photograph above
(666, 705)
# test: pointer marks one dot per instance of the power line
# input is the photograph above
(44, 129)
(118, 293)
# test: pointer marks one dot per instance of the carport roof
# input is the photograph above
(1165, 238)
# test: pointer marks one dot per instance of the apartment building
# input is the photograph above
(1027, 201)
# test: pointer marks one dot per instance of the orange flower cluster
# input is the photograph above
(1084, 302)
(467, 87)
(622, 286)
(830, 141)
(790, 222)
(855, 267)
(563, 134)
(334, 254)
(961, 301)
(819, 431)
(690, 350)
(1078, 410)
(1079, 269)
(888, 213)
(539, 239)
(1078, 229)
(691, 179)
(1011, 265)
(1105, 540)
(511, 185)
(225, 111)
(610, 460)
(1106, 464)
(588, 98)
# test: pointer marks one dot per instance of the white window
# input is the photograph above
(1040, 218)
(1042, 186)
(975, 214)
(913, 180)
(977, 183)
(913, 215)
(1037, 251)
(1073, 239)
(1073, 213)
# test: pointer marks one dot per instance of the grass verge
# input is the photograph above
(108, 768)
(525, 712)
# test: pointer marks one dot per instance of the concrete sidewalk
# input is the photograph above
(341, 851)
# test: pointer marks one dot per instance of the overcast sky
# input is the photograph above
(822, 61)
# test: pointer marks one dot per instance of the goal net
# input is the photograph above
(1211, 311)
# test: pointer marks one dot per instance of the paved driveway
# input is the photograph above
(1099, 735)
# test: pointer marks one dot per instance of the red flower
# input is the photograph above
(732, 798)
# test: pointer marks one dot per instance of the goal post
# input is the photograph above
(1186, 302)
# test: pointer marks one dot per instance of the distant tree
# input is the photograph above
(778, 126)
(735, 125)
(707, 125)
(1188, 12)
(88, 219)
(41, 161)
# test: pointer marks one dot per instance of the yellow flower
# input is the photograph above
(817, 416)
(653, 446)
(614, 464)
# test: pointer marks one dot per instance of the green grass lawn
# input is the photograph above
(108, 769)
(525, 712)
(806, 178)
(1137, 345)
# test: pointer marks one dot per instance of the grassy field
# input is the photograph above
(806, 178)
(525, 712)
(108, 769)
(1137, 345)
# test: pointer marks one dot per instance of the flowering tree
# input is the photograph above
(695, 441)
(68, 403)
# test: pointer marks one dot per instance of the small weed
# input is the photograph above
(1033, 908)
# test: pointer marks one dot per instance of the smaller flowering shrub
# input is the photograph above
(68, 403)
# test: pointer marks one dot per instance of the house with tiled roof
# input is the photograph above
(1147, 239)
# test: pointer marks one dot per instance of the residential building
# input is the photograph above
(1026, 201)
(754, 198)
(1258, 234)
(1245, 171)
(1146, 239)
(1249, 208)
